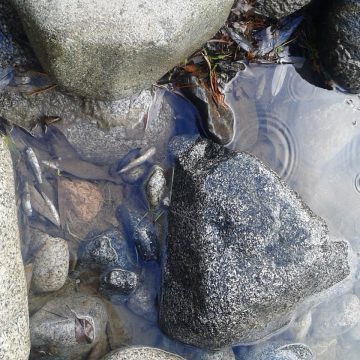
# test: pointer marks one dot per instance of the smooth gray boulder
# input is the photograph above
(110, 49)
(279, 8)
(141, 353)
(14, 318)
(244, 251)
(339, 43)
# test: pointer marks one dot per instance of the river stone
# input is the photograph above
(339, 43)
(51, 263)
(60, 325)
(279, 8)
(100, 49)
(14, 318)
(120, 281)
(141, 353)
(244, 251)
(336, 317)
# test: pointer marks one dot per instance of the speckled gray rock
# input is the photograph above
(339, 43)
(155, 186)
(100, 49)
(280, 8)
(225, 354)
(14, 318)
(243, 251)
(141, 353)
(280, 351)
(51, 263)
(69, 326)
(121, 281)
(109, 248)
(336, 317)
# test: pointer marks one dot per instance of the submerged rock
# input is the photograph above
(280, 8)
(244, 251)
(69, 326)
(141, 353)
(51, 263)
(99, 49)
(339, 43)
(109, 248)
(225, 354)
(121, 281)
(14, 318)
(155, 187)
(336, 317)
(279, 351)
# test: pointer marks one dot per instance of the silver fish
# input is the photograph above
(138, 161)
(52, 208)
(34, 164)
(25, 200)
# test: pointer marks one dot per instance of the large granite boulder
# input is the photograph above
(14, 318)
(109, 49)
(244, 251)
(339, 43)
(140, 353)
(279, 8)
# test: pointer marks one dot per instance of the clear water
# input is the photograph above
(311, 138)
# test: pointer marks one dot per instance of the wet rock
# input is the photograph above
(140, 353)
(121, 281)
(155, 187)
(14, 318)
(325, 350)
(340, 27)
(82, 198)
(51, 264)
(99, 50)
(336, 317)
(300, 327)
(279, 8)
(275, 351)
(226, 354)
(69, 326)
(243, 243)
(109, 248)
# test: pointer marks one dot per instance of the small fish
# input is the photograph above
(138, 161)
(34, 164)
(25, 200)
(52, 208)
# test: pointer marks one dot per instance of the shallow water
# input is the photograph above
(311, 138)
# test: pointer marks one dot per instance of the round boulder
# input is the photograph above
(140, 353)
(111, 49)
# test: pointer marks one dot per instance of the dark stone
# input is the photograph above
(244, 251)
(109, 248)
(122, 281)
(339, 43)
(279, 8)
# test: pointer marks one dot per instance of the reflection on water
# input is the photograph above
(311, 138)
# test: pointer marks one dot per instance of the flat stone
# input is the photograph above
(51, 263)
(141, 353)
(243, 249)
(14, 318)
(100, 49)
(340, 27)
(279, 8)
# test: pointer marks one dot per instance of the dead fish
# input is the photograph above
(138, 161)
(34, 164)
(80, 169)
(52, 208)
(25, 200)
